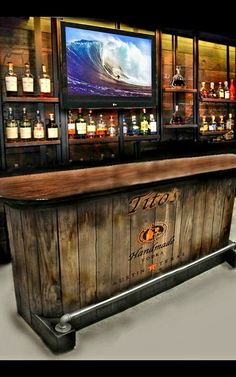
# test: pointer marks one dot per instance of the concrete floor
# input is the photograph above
(195, 320)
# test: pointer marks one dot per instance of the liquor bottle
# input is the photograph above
(226, 90)
(52, 128)
(204, 124)
(28, 81)
(220, 91)
(221, 124)
(177, 79)
(144, 123)
(91, 126)
(203, 93)
(176, 118)
(25, 127)
(71, 125)
(44, 83)
(101, 127)
(38, 127)
(152, 125)
(212, 124)
(80, 125)
(111, 131)
(11, 80)
(212, 92)
(232, 90)
(229, 122)
(134, 129)
(11, 127)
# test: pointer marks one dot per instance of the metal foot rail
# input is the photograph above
(64, 326)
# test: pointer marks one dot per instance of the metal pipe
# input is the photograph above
(63, 326)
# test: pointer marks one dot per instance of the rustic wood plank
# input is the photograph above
(218, 213)
(121, 244)
(208, 218)
(69, 256)
(228, 211)
(47, 235)
(18, 262)
(87, 252)
(176, 252)
(104, 231)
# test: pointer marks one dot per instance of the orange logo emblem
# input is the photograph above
(152, 232)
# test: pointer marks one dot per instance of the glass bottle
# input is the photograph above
(11, 80)
(229, 122)
(134, 129)
(221, 124)
(11, 127)
(70, 125)
(232, 90)
(203, 93)
(176, 118)
(25, 127)
(91, 126)
(152, 125)
(28, 81)
(38, 127)
(44, 83)
(220, 91)
(80, 125)
(101, 127)
(204, 124)
(226, 90)
(212, 124)
(144, 123)
(52, 128)
(177, 79)
(212, 92)
(111, 131)
(125, 127)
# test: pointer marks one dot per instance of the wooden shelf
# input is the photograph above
(141, 137)
(99, 140)
(213, 133)
(217, 100)
(180, 126)
(31, 99)
(179, 89)
(33, 143)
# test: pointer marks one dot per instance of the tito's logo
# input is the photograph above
(152, 232)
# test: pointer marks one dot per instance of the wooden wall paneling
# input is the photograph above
(228, 210)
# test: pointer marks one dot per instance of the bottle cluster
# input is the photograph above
(82, 127)
(221, 90)
(13, 82)
(213, 123)
(26, 129)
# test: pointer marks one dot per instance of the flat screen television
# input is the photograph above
(106, 68)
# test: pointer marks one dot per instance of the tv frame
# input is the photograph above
(109, 102)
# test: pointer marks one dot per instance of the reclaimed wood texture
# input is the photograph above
(68, 183)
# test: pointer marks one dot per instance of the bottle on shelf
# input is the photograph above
(226, 90)
(44, 83)
(212, 124)
(221, 124)
(134, 128)
(25, 127)
(52, 128)
(11, 127)
(177, 79)
(28, 81)
(232, 90)
(212, 92)
(70, 125)
(152, 125)
(38, 127)
(220, 91)
(111, 131)
(203, 93)
(80, 125)
(125, 127)
(144, 126)
(229, 122)
(204, 125)
(91, 126)
(101, 130)
(176, 118)
(11, 80)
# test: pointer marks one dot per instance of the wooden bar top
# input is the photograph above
(70, 183)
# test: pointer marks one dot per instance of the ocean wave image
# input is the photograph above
(106, 64)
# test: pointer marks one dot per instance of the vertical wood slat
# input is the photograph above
(228, 211)
(104, 247)
(160, 253)
(177, 228)
(218, 214)
(69, 258)
(208, 218)
(121, 244)
(46, 224)
(18, 262)
(87, 252)
(32, 262)
(198, 220)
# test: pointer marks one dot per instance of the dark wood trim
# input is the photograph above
(31, 99)
(33, 143)
(179, 90)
